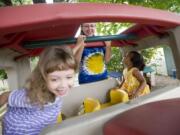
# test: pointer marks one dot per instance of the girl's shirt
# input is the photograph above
(92, 66)
(131, 83)
(23, 118)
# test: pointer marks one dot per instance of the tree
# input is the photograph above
(170, 5)
(3, 75)
(39, 1)
(5, 2)
(14, 2)
(115, 63)
(149, 54)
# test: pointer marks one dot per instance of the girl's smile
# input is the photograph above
(61, 92)
(60, 82)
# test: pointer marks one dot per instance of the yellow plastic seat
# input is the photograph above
(118, 96)
(59, 118)
(91, 105)
(105, 105)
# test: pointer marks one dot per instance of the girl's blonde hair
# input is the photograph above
(52, 59)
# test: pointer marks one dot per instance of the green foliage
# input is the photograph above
(111, 28)
(14, 2)
(21, 2)
(33, 62)
(1, 3)
(3, 74)
(115, 63)
(171, 5)
(149, 54)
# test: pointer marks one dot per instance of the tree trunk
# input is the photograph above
(7, 2)
(39, 1)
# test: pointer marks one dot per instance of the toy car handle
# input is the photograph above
(45, 43)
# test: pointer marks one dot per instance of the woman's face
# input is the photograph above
(88, 29)
(60, 82)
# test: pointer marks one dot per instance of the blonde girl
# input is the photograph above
(38, 104)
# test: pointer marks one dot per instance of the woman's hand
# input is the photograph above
(81, 39)
(108, 43)
(108, 51)
(79, 47)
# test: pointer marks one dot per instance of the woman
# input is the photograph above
(92, 59)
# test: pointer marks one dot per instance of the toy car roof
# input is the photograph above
(59, 21)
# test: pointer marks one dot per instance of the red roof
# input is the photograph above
(59, 21)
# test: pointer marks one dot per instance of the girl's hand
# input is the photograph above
(118, 82)
(133, 94)
(4, 98)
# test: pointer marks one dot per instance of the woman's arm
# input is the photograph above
(78, 49)
(4, 98)
(136, 73)
(108, 51)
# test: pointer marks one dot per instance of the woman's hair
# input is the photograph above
(137, 60)
(82, 32)
(51, 59)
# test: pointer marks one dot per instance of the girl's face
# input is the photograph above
(88, 29)
(60, 82)
(127, 59)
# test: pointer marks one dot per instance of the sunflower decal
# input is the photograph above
(94, 63)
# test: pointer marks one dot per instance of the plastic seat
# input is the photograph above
(91, 105)
(118, 96)
(59, 118)
(105, 105)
